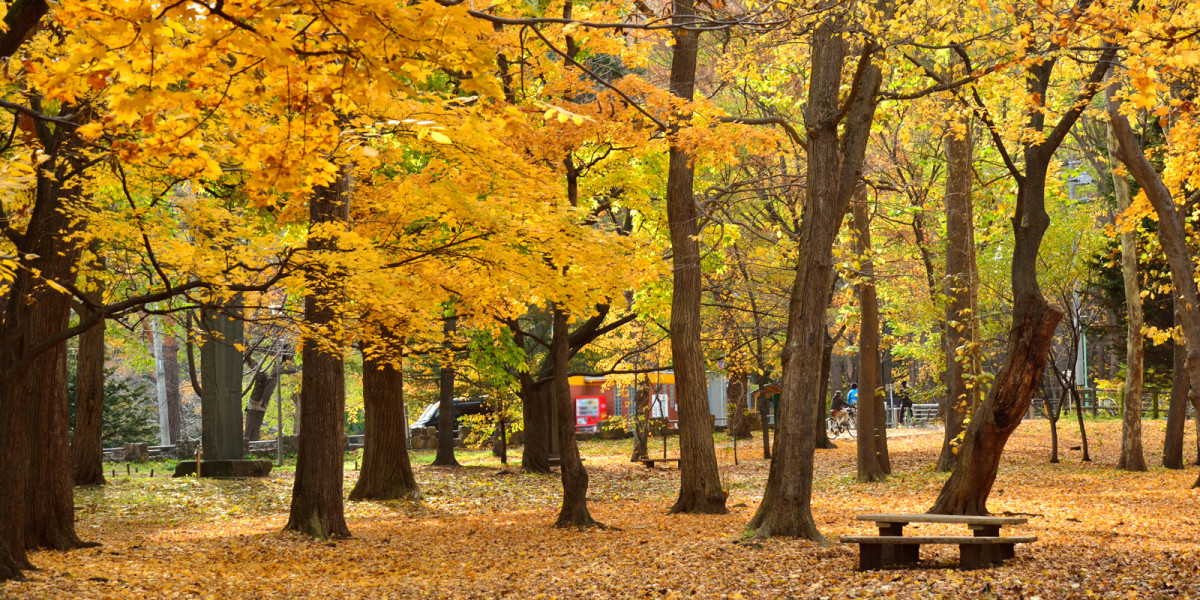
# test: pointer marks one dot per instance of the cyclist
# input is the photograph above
(852, 397)
(839, 408)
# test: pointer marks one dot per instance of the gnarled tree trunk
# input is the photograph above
(317, 508)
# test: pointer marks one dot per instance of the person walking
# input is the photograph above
(906, 403)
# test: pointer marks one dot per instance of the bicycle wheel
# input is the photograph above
(852, 426)
(831, 426)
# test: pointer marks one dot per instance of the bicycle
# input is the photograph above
(847, 424)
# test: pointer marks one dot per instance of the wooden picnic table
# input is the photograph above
(891, 547)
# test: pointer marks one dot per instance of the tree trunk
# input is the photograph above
(1177, 411)
(1087, 455)
(961, 330)
(1052, 416)
(641, 421)
(261, 391)
(174, 405)
(574, 510)
(699, 482)
(35, 312)
(535, 409)
(87, 446)
(822, 409)
(735, 394)
(1172, 238)
(786, 508)
(872, 447)
(445, 447)
(1132, 457)
(317, 508)
(386, 472)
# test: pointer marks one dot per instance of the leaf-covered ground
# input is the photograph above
(481, 533)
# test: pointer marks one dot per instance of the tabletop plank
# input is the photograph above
(927, 518)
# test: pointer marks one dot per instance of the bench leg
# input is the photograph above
(870, 557)
(971, 556)
(1003, 552)
(910, 554)
(892, 555)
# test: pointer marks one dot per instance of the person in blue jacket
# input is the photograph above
(852, 397)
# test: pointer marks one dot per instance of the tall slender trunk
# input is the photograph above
(1087, 453)
(1132, 457)
(735, 394)
(786, 508)
(386, 472)
(641, 420)
(87, 445)
(961, 330)
(1177, 410)
(1171, 236)
(872, 447)
(317, 508)
(699, 482)
(574, 510)
(445, 447)
(820, 407)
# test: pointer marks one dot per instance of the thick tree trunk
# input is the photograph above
(1172, 238)
(961, 330)
(87, 445)
(445, 447)
(574, 510)
(872, 447)
(786, 508)
(1132, 457)
(386, 472)
(700, 482)
(1177, 410)
(261, 391)
(317, 508)
(170, 346)
(535, 409)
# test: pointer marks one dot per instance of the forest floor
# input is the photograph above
(482, 532)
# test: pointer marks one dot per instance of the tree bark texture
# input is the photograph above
(872, 446)
(170, 347)
(1132, 458)
(700, 482)
(386, 471)
(574, 510)
(445, 447)
(961, 331)
(641, 420)
(317, 508)
(835, 165)
(535, 410)
(735, 394)
(87, 443)
(1171, 236)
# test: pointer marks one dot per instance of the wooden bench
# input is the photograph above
(649, 462)
(892, 547)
